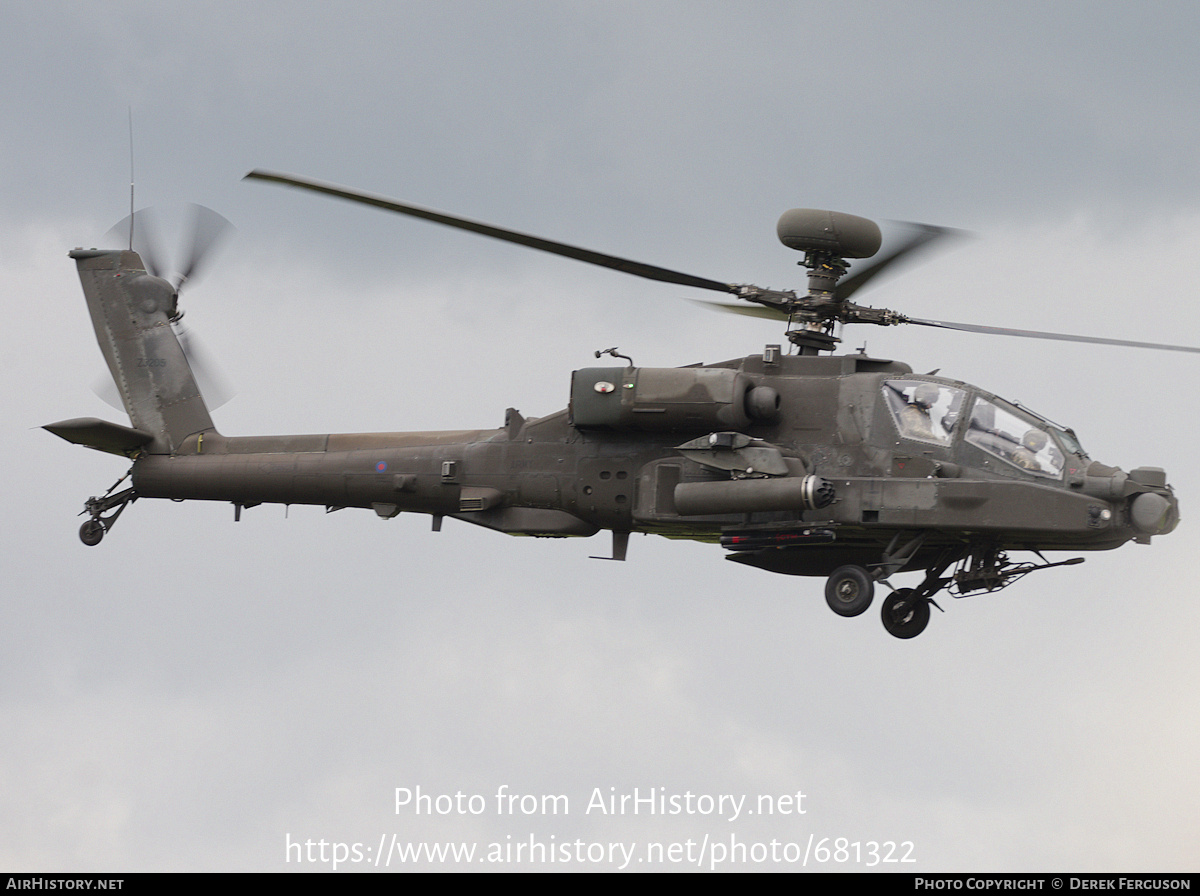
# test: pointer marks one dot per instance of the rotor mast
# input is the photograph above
(805, 330)
(827, 239)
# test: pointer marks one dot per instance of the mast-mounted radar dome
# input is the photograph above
(842, 235)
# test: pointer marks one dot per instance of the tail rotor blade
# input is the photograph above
(214, 387)
(205, 229)
(106, 390)
(142, 239)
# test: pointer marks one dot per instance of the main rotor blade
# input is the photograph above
(763, 311)
(926, 233)
(637, 268)
(1061, 337)
(774, 314)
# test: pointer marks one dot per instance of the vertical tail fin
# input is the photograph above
(132, 313)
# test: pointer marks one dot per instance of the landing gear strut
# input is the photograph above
(91, 532)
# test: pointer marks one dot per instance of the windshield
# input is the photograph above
(1069, 441)
(1017, 439)
(1066, 437)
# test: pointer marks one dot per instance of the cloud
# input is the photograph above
(193, 691)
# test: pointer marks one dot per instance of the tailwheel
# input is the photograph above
(850, 590)
(905, 614)
(91, 532)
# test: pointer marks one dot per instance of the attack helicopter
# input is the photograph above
(801, 462)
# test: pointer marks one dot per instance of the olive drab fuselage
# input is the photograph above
(663, 458)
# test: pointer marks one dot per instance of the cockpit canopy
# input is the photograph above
(958, 416)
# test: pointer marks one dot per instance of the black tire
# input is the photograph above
(849, 591)
(904, 614)
(91, 532)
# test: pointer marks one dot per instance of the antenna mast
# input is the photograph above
(131, 178)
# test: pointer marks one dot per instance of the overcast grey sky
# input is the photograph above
(194, 692)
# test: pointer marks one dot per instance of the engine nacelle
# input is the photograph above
(668, 399)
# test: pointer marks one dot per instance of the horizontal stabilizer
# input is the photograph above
(101, 435)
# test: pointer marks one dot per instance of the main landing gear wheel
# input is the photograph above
(904, 614)
(91, 532)
(849, 590)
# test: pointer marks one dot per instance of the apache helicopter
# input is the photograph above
(804, 462)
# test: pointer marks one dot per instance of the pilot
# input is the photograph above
(1025, 456)
(915, 418)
